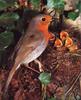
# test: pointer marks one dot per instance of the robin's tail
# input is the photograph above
(13, 70)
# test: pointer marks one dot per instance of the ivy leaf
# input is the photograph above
(73, 15)
(5, 39)
(10, 27)
(45, 78)
(56, 4)
(10, 1)
(52, 98)
(78, 6)
(35, 3)
(9, 17)
(3, 4)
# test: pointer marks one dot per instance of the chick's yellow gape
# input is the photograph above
(32, 44)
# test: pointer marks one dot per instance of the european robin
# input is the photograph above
(32, 44)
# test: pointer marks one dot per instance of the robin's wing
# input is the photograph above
(29, 44)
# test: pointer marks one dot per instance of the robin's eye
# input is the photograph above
(43, 19)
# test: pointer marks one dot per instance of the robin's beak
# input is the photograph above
(51, 19)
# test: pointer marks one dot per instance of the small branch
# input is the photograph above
(73, 85)
(33, 69)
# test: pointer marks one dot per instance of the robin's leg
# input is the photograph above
(43, 87)
(29, 67)
(39, 64)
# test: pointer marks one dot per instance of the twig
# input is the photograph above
(72, 85)
(33, 69)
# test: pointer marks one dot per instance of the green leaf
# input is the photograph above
(9, 16)
(3, 4)
(10, 1)
(78, 6)
(52, 98)
(56, 4)
(5, 39)
(35, 3)
(45, 78)
(10, 27)
(73, 15)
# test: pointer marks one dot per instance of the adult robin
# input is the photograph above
(32, 44)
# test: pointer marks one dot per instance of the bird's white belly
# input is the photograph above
(36, 53)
